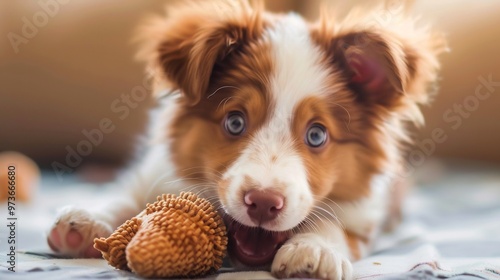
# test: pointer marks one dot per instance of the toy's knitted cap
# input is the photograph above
(174, 237)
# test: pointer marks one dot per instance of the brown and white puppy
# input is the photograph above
(294, 129)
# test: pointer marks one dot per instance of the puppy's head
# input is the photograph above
(277, 114)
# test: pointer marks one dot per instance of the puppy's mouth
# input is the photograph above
(253, 246)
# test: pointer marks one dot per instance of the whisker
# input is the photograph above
(311, 225)
(318, 218)
(327, 216)
(348, 115)
(321, 200)
(222, 87)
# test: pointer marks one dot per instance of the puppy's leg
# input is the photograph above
(322, 254)
(75, 228)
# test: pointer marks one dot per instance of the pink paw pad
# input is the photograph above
(74, 239)
(73, 233)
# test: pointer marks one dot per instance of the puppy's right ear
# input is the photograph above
(389, 67)
(185, 46)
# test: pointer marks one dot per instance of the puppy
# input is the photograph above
(295, 130)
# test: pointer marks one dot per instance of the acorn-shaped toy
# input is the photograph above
(180, 236)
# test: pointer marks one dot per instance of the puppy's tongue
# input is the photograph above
(253, 246)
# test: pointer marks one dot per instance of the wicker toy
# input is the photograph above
(174, 237)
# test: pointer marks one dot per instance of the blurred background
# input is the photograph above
(65, 66)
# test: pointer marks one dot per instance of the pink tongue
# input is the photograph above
(255, 242)
(254, 246)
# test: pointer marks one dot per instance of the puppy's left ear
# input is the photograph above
(393, 68)
(184, 47)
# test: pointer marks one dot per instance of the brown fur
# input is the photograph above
(409, 73)
(357, 244)
(187, 45)
(198, 140)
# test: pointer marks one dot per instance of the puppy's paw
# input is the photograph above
(74, 231)
(309, 256)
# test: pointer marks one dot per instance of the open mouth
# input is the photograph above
(253, 246)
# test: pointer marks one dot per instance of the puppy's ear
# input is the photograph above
(194, 37)
(390, 66)
(376, 70)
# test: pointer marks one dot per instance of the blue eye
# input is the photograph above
(235, 123)
(316, 135)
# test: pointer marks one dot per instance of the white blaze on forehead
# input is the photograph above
(299, 70)
(298, 73)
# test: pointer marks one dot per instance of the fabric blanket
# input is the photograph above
(451, 230)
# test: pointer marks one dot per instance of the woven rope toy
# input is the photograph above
(173, 237)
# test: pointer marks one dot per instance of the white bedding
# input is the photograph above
(451, 230)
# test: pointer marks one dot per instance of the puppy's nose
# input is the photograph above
(263, 206)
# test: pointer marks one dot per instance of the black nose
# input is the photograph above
(263, 206)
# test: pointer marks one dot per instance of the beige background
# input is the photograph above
(65, 78)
